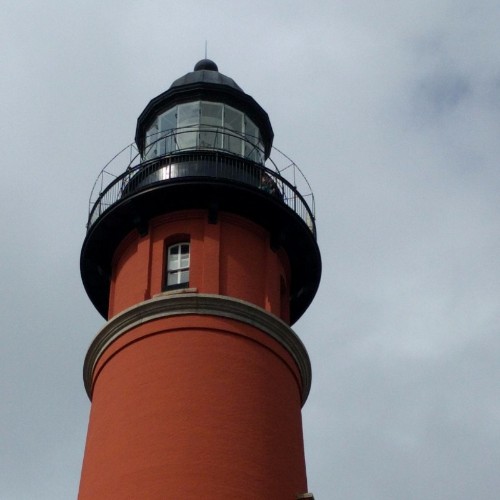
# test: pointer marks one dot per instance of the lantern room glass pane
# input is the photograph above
(168, 123)
(211, 114)
(168, 120)
(233, 121)
(251, 131)
(188, 115)
(151, 138)
(252, 143)
(211, 125)
(206, 125)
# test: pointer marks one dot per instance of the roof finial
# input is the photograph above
(206, 46)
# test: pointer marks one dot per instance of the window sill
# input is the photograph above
(176, 291)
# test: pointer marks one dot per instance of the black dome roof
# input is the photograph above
(206, 64)
(205, 82)
(206, 71)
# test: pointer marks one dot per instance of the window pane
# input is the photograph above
(168, 123)
(251, 130)
(173, 258)
(211, 114)
(151, 150)
(186, 139)
(168, 120)
(211, 123)
(234, 144)
(211, 139)
(233, 119)
(253, 146)
(178, 264)
(160, 147)
(151, 133)
(188, 116)
(173, 263)
(250, 152)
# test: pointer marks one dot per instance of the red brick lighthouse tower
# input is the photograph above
(200, 255)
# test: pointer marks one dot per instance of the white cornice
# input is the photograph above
(182, 304)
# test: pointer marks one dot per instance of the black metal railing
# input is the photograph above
(197, 165)
(280, 181)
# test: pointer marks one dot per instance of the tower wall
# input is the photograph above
(232, 257)
(195, 391)
(189, 396)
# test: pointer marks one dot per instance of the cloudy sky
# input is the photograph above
(392, 111)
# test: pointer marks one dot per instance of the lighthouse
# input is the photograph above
(200, 254)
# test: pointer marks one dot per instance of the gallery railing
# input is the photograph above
(198, 162)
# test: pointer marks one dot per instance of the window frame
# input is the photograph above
(179, 268)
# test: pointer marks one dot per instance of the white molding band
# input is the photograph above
(182, 304)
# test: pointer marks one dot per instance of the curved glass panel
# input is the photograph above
(167, 123)
(252, 135)
(233, 121)
(210, 124)
(204, 125)
(188, 116)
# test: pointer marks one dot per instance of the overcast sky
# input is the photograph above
(392, 111)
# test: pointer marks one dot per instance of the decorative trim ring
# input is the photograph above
(165, 305)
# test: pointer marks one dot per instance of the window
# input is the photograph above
(177, 266)
(210, 125)
(188, 119)
(168, 122)
(204, 125)
(252, 137)
(233, 121)
(151, 141)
